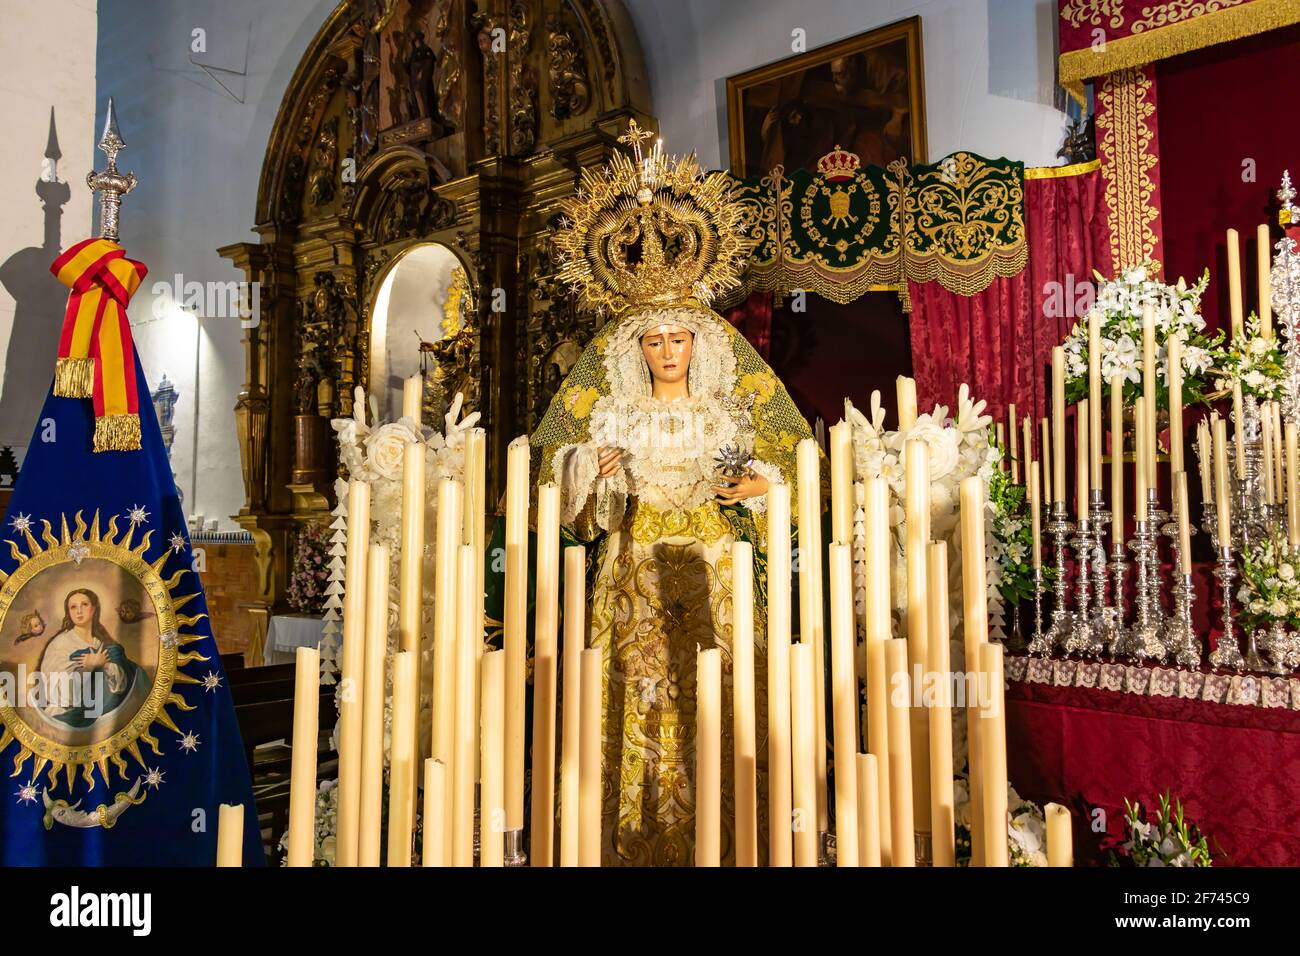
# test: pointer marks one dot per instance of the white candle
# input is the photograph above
(842, 482)
(1222, 501)
(943, 817)
(435, 813)
(1011, 430)
(589, 759)
(902, 843)
(1239, 428)
(780, 846)
(878, 631)
(917, 512)
(803, 731)
(351, 674)
(993, 757)
(516, 626)
(868, 811)
(546, 651)
(905, 389)
(744, 718)
(413, 397)
(461, 831)
(844, 701)
(493, 821)
(372, 717)
(402, 762)
(708, 758)
(1060, 840)
(1264, 266)
(1094, 395)
(1149, 378)
(446, 559)
(575, 640)
(410, 606)
(1081, 461)
(1058, 424)
(1035, 515)
(975, 634)
(302, 773)
(230, 835)
(1234, 283)
(811, 624)
(1174, 361)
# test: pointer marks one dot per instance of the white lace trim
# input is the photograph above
(578, 468)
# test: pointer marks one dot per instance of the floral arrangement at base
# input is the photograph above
(1168, 840)
(1026, 827)
(1253, 361)
(311, 572)
(1121, 302)
(1270, 585)
(327, 809)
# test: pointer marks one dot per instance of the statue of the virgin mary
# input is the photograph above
(664, 439)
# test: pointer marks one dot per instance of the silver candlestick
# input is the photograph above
(1059, 632)
(1157, 518)
(1144, 639)
(1102, 615)
(1117, 635)
(1226, 654)
(1038, 608)
(1180, 635)
(1081, 634)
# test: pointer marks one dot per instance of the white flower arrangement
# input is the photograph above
(1026, 827)
(1121, 303)
(1254, 362)
(327, 808)
(1168, 840)
(959, 448)
(1270, 585)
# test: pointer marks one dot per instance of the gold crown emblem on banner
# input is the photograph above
(838, 164)
(649, 230)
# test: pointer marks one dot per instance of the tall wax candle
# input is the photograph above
(1239, 429)
(461, 828)
(545, 662)
(868, 811)
(516, 626)
(230, 834)
(352, 672)
(842, 482)
(974, 587)
(413, 397)
(1279, 451)
(744, 716)
(780, 843)
(302, 772)
(1234, 283)
(810, 599)
(902, 841)
(372, 719)
(1002, 446)
(1028, 438)
(410, 584)
(493, 821)
(1205, 458)
(1174, 361)
(1149, 391)
(446, 560)
(1117, 460)
(1094, 395)
(575, 641)
(589, 759)
(1266, 443)
(1222, 487)
(844, 703)
(942, 800)
(1140, 464)
(708, 757)
(434, 850)
(993, 757)
(1036, 515)
(878, 630)
(1184, 526)
(402, 759)
(917, 512)
(803, 733)
(1264, 266)
(1049, 481)
(1081, 457)
(1058, 424)
(1011, 435)
(906, 391)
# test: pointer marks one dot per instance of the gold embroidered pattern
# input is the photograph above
(705, 522)
(1078, 12)
(1125, 113)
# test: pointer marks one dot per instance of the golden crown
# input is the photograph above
(649, 230)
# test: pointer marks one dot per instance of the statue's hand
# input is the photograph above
(453, 423)
(749, 485)
(608, 458)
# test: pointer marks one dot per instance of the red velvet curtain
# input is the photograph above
(999, 341)
(753, 318)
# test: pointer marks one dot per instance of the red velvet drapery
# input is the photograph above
(999, 340)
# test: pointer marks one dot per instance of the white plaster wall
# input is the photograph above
(47, 59)
(198, 152)
(989, 66)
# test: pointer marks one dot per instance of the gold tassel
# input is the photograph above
(117, 433)
(74, 377)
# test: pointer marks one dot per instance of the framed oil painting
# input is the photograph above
(864, 94)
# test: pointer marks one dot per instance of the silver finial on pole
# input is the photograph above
(112, 183)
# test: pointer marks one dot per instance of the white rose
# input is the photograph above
(327, 849)
(1286, 572)
(1277, 609)
(385, 447)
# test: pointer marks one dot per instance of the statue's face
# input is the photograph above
(667, 351)
(81, 610)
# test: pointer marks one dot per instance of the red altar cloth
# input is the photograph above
(1235, 767)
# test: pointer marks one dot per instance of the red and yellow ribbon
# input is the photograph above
(96, 353)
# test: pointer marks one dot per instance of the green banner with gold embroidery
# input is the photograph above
(845, 229)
